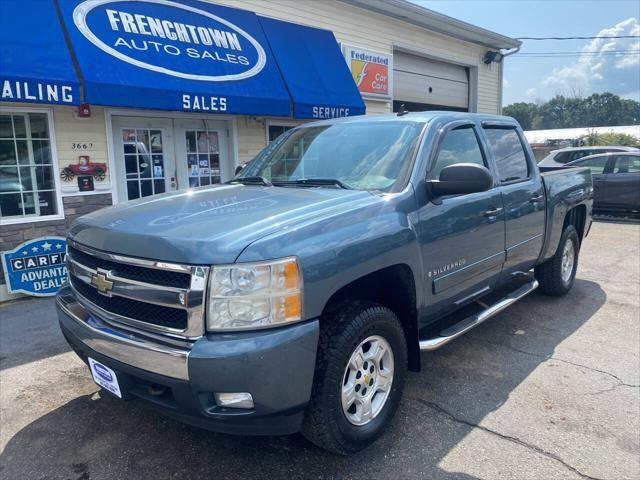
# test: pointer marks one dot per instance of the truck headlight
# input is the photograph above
(254, 295)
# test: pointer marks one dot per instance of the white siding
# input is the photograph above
(84, 131)
(252, 138)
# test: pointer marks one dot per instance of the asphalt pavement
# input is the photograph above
(548, 389)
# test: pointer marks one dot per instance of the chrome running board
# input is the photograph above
(462, 327)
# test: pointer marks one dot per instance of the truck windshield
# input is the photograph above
(363, 156)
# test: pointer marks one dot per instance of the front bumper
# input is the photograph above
(275, 366)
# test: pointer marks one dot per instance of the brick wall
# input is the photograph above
(74, 207)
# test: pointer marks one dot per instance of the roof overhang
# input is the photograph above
(436, 22)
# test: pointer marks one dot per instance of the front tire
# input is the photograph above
(360, 372)
(557, 275)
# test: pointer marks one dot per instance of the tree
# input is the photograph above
(596, 110)
(524, 113)
(610, 138)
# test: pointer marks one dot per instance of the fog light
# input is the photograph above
(234, 400)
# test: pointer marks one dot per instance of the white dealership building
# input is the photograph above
(105, 101)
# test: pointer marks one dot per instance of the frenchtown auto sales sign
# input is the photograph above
(171, 38)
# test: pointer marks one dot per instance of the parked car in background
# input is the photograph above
(557, 158)
(616, 180)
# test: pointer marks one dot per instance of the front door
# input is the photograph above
(461, 236)
(623, 183)
(202, 155)
(144, 156)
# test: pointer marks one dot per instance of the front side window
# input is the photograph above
(508, 153)
(627, 164)
(458, 146)
(27, 182)
(595, 164)
(361, 155)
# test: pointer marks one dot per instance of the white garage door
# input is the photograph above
(429, 82)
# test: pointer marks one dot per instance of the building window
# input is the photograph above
(27, 173)
(274, 131)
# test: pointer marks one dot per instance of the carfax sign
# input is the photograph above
(372, 71)
(36, 267)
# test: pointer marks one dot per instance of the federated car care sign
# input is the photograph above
(372, 71)
(176, 39)
(36, 267)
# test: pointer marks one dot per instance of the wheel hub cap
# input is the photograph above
(367, 380)
(568, 259)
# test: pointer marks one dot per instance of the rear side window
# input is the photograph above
(566, 157)
(459, 146)
(595, 164)
(508, 153)
(578, 154)
(627, 164)
(562, 157)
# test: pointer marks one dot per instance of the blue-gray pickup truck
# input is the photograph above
(296, 296)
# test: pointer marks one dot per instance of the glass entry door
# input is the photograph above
(203, 157)
(145, 161)
(201, 152)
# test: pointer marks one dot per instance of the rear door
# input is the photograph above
(522, 195)
(623, 183)
(461, 236)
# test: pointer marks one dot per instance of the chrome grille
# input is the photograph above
(165, 278)
(138, 293)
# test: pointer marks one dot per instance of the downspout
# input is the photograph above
(515, 50)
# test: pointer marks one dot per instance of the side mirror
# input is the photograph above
(460, 179)
(239, 168)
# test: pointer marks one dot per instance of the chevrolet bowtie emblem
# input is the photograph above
(101, 282)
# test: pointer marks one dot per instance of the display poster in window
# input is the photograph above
(372, 71)
(208, 142)
(36, 267)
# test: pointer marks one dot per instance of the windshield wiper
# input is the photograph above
(252, 181)
(316, 182)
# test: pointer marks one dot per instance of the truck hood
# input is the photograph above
(209, 225)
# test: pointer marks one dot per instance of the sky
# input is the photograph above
(536, 79)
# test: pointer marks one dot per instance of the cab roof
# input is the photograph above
(418, 117)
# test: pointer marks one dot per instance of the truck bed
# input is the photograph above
(565, 188)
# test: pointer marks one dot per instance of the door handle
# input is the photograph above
(493, 212)
(536, 198)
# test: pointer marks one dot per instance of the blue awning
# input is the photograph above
(169, 55)
(314, 70)
(35, 65)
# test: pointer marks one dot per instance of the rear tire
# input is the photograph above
(557, 275)
(361, 364)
